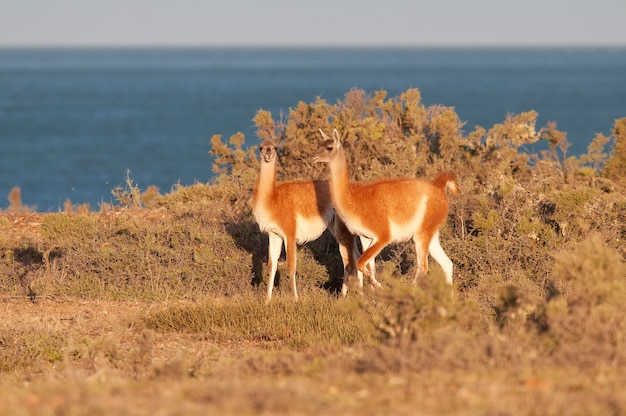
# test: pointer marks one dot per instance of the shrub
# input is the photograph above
(615, 167)
(582, 321)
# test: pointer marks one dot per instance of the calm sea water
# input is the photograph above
(72, 122)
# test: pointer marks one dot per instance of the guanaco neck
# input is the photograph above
(265, 183)
(340, 178)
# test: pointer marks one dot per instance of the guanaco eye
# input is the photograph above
(329, 148)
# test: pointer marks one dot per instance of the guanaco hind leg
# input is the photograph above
(349, 250)
(349, 254)
(440, 257)
(421, 258)
(436, 251)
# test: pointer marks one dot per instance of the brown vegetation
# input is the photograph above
(156, 305)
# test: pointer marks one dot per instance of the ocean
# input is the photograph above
(73, 121)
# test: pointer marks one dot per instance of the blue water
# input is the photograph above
(73, 121)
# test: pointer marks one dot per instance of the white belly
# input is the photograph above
(404, 231)
(356, 226)
(399, 231)
(307, 229)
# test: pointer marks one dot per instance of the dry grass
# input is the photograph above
(156, 306)
(110, 362)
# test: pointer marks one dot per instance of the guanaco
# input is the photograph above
(293, 213)
(389, 210)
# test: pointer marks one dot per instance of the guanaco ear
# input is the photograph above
(324, 136)
(336, 137)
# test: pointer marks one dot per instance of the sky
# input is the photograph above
(45, 23)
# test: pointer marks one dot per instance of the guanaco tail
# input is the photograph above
(293, 213)
(389, 210)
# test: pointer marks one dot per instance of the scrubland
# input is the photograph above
(156, 305)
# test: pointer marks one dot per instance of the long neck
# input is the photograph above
(340, 178)
(265, 182)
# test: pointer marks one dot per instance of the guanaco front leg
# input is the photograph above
(371, 265)
(273, 253)
(366, 262)
(292, 254)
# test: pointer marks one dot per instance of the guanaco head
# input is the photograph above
(329, 147)
(267, 150)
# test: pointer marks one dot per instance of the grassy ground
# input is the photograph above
(179, 349)
(112, 362)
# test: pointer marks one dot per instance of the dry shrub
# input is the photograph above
(25, 349)
(143, 253)
(423, 329)
(576, 323)
(15, 199)
(615, 167)
(584, 323)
